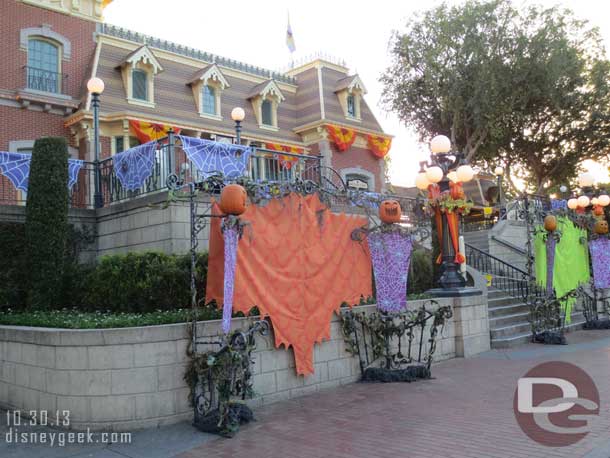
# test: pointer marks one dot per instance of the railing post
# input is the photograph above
(98, 199)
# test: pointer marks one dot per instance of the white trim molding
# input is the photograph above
(45, 31)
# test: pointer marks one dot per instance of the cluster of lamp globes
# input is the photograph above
(586, 180)
(432, 175)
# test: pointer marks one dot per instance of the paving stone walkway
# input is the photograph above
(466, 411)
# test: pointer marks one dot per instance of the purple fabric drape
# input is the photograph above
(600, 259)
(551, 243)
(231, 237)
(390, 254)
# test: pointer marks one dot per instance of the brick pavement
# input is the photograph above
(466, 412)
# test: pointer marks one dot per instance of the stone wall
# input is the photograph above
(513, 232)
(125, 379)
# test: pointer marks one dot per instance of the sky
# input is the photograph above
(358, 32)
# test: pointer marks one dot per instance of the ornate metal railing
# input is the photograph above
(221, 380)
(394, 346)
(504, 276)
(44, 80)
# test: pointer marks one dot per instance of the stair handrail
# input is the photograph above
(509, 245)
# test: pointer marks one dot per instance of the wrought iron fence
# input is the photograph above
(394, 346)
(44, 80)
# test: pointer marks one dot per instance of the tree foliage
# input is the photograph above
(47, 221)
(524, 87)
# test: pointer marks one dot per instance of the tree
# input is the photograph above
(525, 87)
(46, 221)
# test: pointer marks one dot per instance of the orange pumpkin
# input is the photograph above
(601, 227)
(550, 223)
(598, 210)
(233, 199)
(390, 211)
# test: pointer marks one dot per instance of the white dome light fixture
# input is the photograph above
(583, 201)
(95, 85)
(440, 145)
(465, 173)
(434, 174)
(572, 204)
(421, 181)
(604, 200)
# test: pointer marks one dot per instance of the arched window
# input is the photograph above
(43, 70)
(209, 100)
(139, 84)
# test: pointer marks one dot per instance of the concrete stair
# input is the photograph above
(508, 320)
(478, 239)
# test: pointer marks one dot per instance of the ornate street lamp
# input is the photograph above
(444, 168)
(96, 86)
(238, 114)
(499, 173)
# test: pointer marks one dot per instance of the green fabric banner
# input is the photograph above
(571, 267)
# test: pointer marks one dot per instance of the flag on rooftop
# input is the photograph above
(290, 38)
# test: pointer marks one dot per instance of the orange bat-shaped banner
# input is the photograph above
(341, 136)
(380, 146)
(149, 131)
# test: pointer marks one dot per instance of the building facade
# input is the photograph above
(52, 47)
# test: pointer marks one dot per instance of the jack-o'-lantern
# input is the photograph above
(598, 210)
(390, 211)
(550, 223)
(233, 199)
(601, 227)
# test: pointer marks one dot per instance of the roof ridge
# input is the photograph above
(130, 35)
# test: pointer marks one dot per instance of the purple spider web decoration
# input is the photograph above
(16, 167)
(551, 243)
(215, 157)
(134, 166)
(231, 237)
(390, 254)
(600, 260)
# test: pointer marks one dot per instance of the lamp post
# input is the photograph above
(444, 168)
(96, 86)
(499, 173)
(238, 114)
(586, 182)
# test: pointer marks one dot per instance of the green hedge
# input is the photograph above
(46, 220)
(13, 271)
(421, 272)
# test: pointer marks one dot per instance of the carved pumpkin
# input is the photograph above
(233, 199)
(598, 210)
(550, 223)
(390, 211)
(601, 227)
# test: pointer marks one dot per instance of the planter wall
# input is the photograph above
(126, 379)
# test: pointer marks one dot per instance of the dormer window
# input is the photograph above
(349, 90)
(138, 70)
(265, 98)
(139, 84)
(207, 85)
(267, 113)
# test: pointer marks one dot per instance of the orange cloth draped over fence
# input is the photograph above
(286, 161)
(149, 131)
(297, 263)
(380, 146)
(341, 136)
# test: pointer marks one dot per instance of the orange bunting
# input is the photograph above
(380, 146)
(341, 136)
(286, 161)
(149, 131)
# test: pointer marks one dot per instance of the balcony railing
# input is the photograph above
(44, 80)
(264, 165)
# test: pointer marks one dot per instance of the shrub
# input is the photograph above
(13, 271)
(421, 272)
(141, 282)
(46, 221)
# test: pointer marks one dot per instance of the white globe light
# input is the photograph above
(604, 200)
(594, 201)
(572, 204)
(434, 174)
(498, 171)
(583, 201)
(563, 188)
(421, 181)
(440, 144)
(238, 114)
(95, 85)
(586, 179)
(453, 176)
(465, 173)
